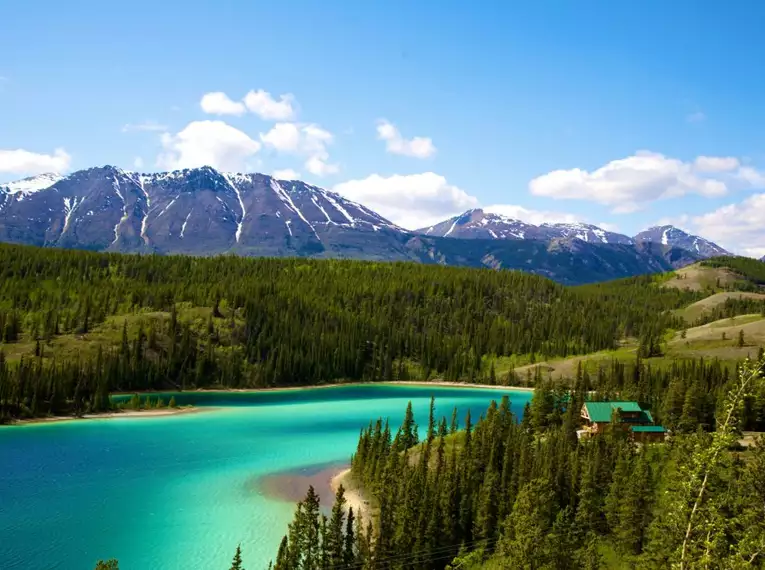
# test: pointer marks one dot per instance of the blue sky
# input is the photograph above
(643, 112)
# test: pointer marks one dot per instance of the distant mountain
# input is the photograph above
(675, 237)
(198, 211)
(479, 224)
(202, 211)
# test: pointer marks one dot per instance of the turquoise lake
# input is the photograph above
(180, 492)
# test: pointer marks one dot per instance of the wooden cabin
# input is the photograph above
(648, 433)
(596, 416)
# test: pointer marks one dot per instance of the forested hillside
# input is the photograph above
(504, 494)
(77, 325)
(751, 270)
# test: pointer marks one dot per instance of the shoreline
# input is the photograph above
(441, 383)
(109, 415)
(193, 409)
(353, 495)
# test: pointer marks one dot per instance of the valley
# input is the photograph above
(242, 339)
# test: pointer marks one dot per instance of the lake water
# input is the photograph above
(180, 492)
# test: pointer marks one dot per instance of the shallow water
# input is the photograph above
(180, 492)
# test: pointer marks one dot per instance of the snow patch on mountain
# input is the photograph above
(27, 186)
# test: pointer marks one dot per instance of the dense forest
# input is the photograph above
(76, 326)
(504, 494)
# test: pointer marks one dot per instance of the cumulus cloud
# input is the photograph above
(207, 143)
(320, 167)
(535, 217)
(307, 140)
(417, 147)
(218, 103)
(285, 174)
(411, 201)
(628, 184)
(737, 227)
(716, 163)
(266, 107)
(24, 162)
(259, 102)
(146, 126)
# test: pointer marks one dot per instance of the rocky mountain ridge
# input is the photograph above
(481, 224)
(202, 211)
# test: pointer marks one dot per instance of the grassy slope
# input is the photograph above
(699, 278)
(697, 309)
(706, 340)
(109, 333)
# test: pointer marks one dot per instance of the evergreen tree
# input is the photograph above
(236, 563)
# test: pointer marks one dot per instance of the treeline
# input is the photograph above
(684, 396)
(751, 269)
(732, 307)
(276, 322)
(529, 495)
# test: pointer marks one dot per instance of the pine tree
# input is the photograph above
(236, 563)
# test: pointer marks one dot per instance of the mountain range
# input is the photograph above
(202, 211)
(481, 224)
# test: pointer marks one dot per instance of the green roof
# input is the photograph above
(649, 429)
(601, 411)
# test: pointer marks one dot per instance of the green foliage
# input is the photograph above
(528, 495)
(751, 269)
(107, 565)
(236, 563)
(109, 322)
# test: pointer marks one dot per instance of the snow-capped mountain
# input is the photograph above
(479, 224)
(202, 211)
(675, 237)
(199, 211)
(584, 232)
(22, 188)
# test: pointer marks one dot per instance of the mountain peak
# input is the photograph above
(31, 184)
(485, 224)
(675, 237)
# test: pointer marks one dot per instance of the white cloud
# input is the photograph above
(320, 167)
(138, 162)
(535, 217)
(207, 143)
(697, 117)
(28, 163)
(286, 174)
(716, 163)
(411, 201)
(737, 227)
(628, 184)
(147, 126)
(266, 107)
(218, 103)
(417, 147)
(307, 140)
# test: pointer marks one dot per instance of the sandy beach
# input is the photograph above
(353, 495)
(109, 415)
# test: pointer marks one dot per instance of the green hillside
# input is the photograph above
(77, 325)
